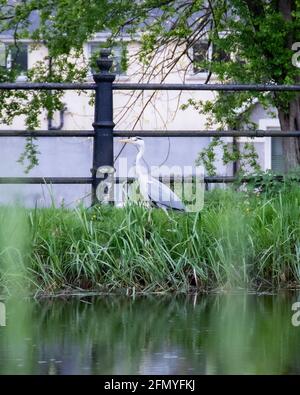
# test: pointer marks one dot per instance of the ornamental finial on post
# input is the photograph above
(104, 62)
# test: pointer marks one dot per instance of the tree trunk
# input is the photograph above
(290, 120)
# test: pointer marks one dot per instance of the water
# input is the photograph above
(214, 334)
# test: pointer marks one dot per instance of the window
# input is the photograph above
(19, 58)
(204, 52)
(277, 157)
(200, 54)
(117, 54)
(14, 57)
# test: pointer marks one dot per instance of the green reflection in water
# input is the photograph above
(224, 333)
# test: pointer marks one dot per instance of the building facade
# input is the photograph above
(63, 157)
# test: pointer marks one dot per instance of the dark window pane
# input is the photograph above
(200, 54)
(19, 58)
(117, 56)
(277, 160)
(2, 55)
(95, 53)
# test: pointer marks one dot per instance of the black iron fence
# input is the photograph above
(103, 126)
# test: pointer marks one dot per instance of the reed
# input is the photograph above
(239, 239)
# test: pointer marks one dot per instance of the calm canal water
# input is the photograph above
(212, 334)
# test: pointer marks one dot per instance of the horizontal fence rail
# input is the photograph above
(104, 133)
(46, 180)
(207, 87)
(48, 86)
(30, 86)
(119, 180)
(47, 133)
(207, 133)
(152, 133)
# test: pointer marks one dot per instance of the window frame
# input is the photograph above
(8, 57)
(203, 75)
(200, 75)
(267, 124)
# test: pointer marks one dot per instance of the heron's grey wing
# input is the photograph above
(163, 196)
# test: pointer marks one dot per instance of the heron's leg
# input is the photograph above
(147, 204)
(168, 215)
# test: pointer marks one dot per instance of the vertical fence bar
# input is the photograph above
(103, 121)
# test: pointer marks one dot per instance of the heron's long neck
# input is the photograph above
(139, 157)
(138, 161)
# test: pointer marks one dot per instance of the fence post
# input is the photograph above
(103, 154)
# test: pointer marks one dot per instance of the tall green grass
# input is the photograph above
(237, 240)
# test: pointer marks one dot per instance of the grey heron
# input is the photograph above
(153, 191)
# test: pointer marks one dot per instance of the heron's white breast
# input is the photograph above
(143, 183)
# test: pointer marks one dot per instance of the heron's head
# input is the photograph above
(133, 140)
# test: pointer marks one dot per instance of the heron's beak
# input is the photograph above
(125, 141)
